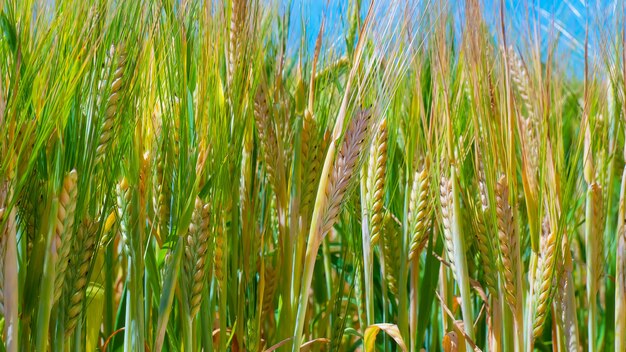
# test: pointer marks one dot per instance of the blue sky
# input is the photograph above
(567, 18)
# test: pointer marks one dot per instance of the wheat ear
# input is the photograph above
(237, 26)
(376, 181)
(390, 243)
(445, 194)
(509, 248)
(419, 211)
(107, 131)
(84, 249)
(62, 242)
(311, 163)
(196, 253)
(343, 170)
(543, 291)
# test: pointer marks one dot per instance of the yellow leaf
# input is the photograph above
(369, 337)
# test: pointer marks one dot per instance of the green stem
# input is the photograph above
(47, 285)
(368, 267)
(592, 253)
(620, 273)
(459, 260)
(415, 278)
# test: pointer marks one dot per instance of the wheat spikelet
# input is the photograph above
(509, 251)
(594, 248)
(520, 78)
(62, 242)
(445, 194)
(376, 180)
(196, 253)
(482, 183)
(237, 26)
(391, 246)
(419, 211)
(485, 247)
(220, 246)
(343, 169)
(545, 268)
(123, 201)
(566, 302)
(252, 335)
(108, 127)
(530, 153)
(359, 293)
(163, 194)
(311, 163)
(268, 138)
(271, 282)
(84, 249)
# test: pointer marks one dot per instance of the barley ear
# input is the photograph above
(84, 249)
(108, 128)
(196, 254)
(419, 211)
(62, 242)
(376, 180)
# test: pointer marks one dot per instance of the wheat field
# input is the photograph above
(234, 175)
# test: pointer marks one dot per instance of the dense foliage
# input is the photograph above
(185, 175)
